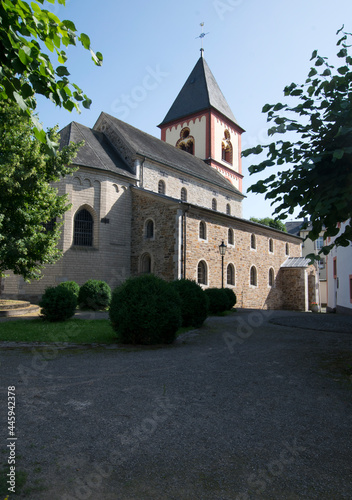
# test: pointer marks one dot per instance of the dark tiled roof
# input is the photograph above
(294, 227)
(97, 151)
(142, 144)
(200, 91)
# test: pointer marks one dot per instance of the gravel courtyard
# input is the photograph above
(255, 405)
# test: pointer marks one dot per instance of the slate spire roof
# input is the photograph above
(200, 92)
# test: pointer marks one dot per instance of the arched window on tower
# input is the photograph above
(226, 148)
(213, 204)
(186, 141)
(83, 229)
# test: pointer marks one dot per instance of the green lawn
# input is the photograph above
(79, 331)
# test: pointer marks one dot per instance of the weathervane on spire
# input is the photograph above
(201, 36)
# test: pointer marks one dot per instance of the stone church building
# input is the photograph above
(145, 205)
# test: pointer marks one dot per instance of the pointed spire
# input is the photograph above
(200, 92)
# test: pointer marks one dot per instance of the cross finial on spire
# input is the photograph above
(201, 36)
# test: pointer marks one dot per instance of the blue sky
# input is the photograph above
(253, 48)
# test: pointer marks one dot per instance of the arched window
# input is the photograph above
(253, 241)
(287, 249)
(146, 264)
(213, 204)
(202, 230)
(253, 276)
(161, 187)
(271, 245)
(186, 141)
(83, 229)
(226, 148)
(271, 277)
(230, 237)
(231, 274)
(228, 209)
(183, 194)
(149, 229)
(202, 277)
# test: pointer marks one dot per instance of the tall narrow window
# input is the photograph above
(83, 229)
(287, 249)
(226, 148)
(146, 264)
(228, 209)
(183, 194)
(231, 274)
(202, 231)
(149, 229)
(202, 273)
(161, 187)
(230, 238)
(253, 276)
(271, 245)
(213, 204)
(271, 277)
(253, 241)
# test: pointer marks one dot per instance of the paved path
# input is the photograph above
(240, 409)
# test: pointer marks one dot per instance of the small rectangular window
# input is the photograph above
(334, 263)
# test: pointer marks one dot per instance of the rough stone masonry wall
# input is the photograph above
(163, 247)
(198, 192)
(104, 195)
(241, 256)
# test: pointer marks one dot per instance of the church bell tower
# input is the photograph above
(201, 122)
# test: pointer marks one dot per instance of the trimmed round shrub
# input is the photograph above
(58, 304)
(145, 310)
(231, 296)
(218, 300)
(71, 285)
(194, 302)
(95, 295)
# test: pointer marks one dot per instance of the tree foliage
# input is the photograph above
(29, 205)
(27, 32)
(320, 180)
(274, 223)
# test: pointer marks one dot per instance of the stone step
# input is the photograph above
(5, 305)
(19, 311)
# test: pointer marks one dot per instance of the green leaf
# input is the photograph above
(314, 54)
(24, 55)
(68, 25)
(342, 53)
(62, 71)
(85, 41)
(312, 72)
(319, 61)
